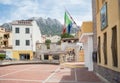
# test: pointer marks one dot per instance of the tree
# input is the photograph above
(47, 42)
(66, 35)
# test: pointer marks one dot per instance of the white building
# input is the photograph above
(25, 35)
(86, 37)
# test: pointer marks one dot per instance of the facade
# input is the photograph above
(54, 38)
(81, 52)
(5, 38)
(2, 31)
(86, 37)
(26, 34)
(50, 55)
(72, 48)
(6, 42)
(107, 16)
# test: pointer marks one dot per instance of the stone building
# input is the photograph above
(70, 46)
(53, 54)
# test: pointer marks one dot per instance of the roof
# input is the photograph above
(2, 51)
(67, 39)
(22, 22)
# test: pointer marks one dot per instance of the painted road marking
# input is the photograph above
(51, 75)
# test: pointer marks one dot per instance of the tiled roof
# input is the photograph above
(22, 22)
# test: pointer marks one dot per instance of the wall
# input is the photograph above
(94, 25)
(113, 20)
(16, 54)
(108, 71)
(36, 35)
(22, 37)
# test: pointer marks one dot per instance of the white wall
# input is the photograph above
(10, 39)
(88, 49)
(22, 36)
(36, 36)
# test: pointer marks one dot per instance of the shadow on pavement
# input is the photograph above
(81, 75)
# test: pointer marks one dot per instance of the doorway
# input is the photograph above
(24, 56)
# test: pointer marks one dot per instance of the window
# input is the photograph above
(17, 30)
(105, 48)
(99, 49)
(17, 42)
(27, 42)
(114, 47)
(27, 30)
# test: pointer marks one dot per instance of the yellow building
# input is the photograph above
(86, 37)
(5, 38)
(81, 54)
(107, 16)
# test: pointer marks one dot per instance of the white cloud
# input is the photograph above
(49, 8)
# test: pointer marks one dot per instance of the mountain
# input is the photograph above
(47, 26)
(7, 26)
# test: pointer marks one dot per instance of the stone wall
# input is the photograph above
(110, 75)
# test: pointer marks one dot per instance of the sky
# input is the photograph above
(80, 10)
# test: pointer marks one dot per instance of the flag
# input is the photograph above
(67, 19)
(64, 29)
(68, 22)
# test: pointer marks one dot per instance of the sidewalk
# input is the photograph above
(82, 73)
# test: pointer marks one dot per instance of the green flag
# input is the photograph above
(67, 19)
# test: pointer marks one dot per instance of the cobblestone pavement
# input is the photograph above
(44, 73)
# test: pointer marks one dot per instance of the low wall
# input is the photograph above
(6, 63)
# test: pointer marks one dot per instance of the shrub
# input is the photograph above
(2, 56)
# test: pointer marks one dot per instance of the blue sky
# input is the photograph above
(11, 10)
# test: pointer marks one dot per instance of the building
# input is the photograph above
(5, 38)
(2, 31)
(54, 38)
(86, 37)
(81, 52)
(53, 54)
(6, 42)
(26, 34)
(106, 18)
(72, 48)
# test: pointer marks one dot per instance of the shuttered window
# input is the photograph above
(114, 47)
(99, 50)
(105, 48)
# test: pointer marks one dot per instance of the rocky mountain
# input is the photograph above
(7, 26)
(47, 26)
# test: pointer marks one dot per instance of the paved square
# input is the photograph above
(45, 73)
